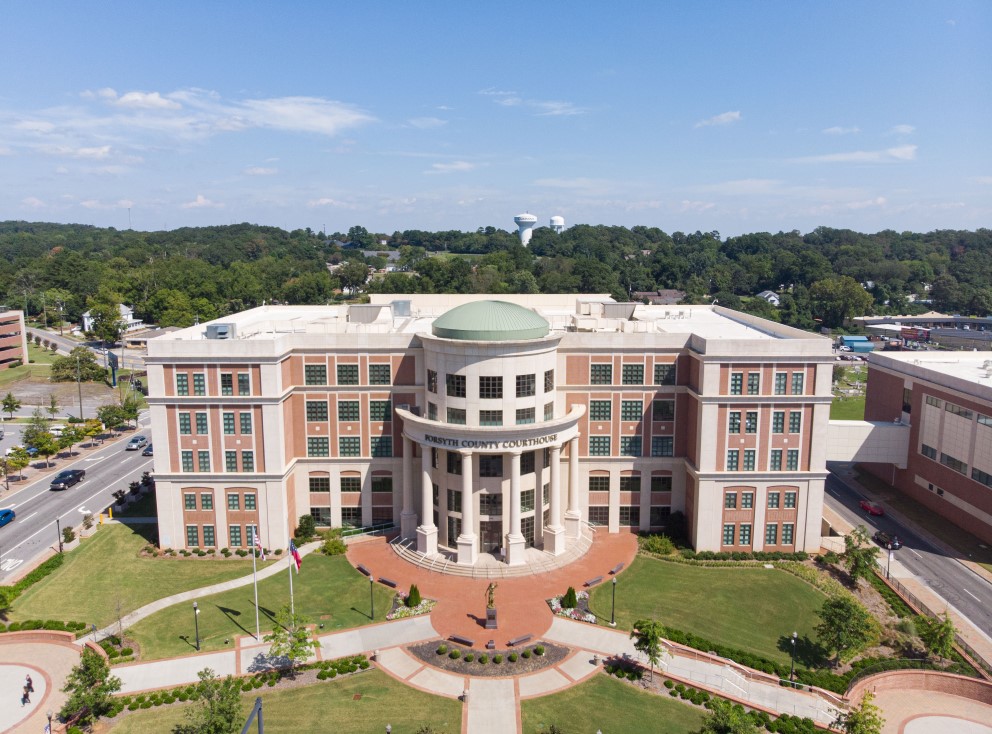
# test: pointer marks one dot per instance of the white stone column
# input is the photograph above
(408, 516)
(572, 515)
(427, 532)
(468, 548)
(554, 534)
(515, 543)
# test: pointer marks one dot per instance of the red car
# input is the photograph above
(871, 508)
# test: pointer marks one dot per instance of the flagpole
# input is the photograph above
(289, 567)
(254, 575)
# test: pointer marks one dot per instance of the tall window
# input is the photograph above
(192, 536)
(182, 384)
(318, 446)
(206, 501)
(231, 461)
(748, 459)
(316, 410)
(199, 384)
(745, 534)
(751, 422)
(455, 385)
(348, 410)
(792, 460)
(601, 374)
(380, 374)
(247, 461)
(456, 416)
(662, 446)
(250, 504)
(599, 445)
(185, 425)
(663, 410)
(454, 463)
(753, 383)
(189, 501)
(201, 423)
(203, 461)
(730, 500)
(527, 500)
(234, 533)
(490, 465)
(549, 380)
(630, 515)
(187, 460)
(734, 422)
(490, 387)
(737, 383)
(432, 411)
(633, 374)
(775, 460)
(226, 383)
(380, 410)
(773, 500)
(244, 383)
(315, 374)
(454, 500)
(347, 374)
(771, 534)
(549, 411)
(790, 499)
(228, 424)
(795, 421)
(245, 424)
(382, 446)
(732, 459)
(490, 417)
(728, 534)
(797, 389)
(664, 374)
(600, 410)
(780, 381)
(630, 445)
(778, 421)
(525, 415)
(747, 500)
(788, 531)
(631, 410)
(432, 381)
(348, 446)
(526, 385)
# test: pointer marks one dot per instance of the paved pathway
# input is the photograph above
(48, 663)
(911, 711)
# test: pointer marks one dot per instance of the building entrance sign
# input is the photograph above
(478, 443)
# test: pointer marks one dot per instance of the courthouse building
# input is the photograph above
(478, 425)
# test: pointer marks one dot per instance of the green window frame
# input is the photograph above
(797, 389)
(199, 384)
(661, 484)
(432, 411)
(664, 374)
(753, 383)
(318, 446)
(748, 459)
(751, 421)
(315, 374)
(730, 500)
(233, 501)
(456, 416)
(182, 384)
(202, 427)
(454, 386)
(795, 421)
(231, 461)
(773, 500)
(775, 460)
(250, 502)
(778, 421)
(234, 536)
(745, 534)
(632, 374)
(244, 383)
(733, 458)
(526, 415)
(351, 484)
(347, 374)
(349, 446)
(747, 500)
(549, 411)
(381, 446)
(631, 410)
(206, 500)
(185, 424)
(490, 387)
(228, 421)
(630, 446)
(600, 410)
(189, 501)
(247, 461)
(728, 533)
(317, 410)
(208, 537)
(792, 460)
(380, 373)
(734, 421)
(490, 417)
(245, 419)
(630, 483)
(601, 373)
(381, 411)
(186, 457)
(781, 379)
(599, 484)
(203, 461)
(382, 484)
(737, 383)
(599, 446)
(790, 500)
(662, 446)
(192, 536)
(527, 500)
(349, 411)
(226, 383)
(319, 484)
(663, 410)
(788, 533)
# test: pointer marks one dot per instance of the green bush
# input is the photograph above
(512, 657)
(660, 545)
(469, 657)
(455, 654)
(569, 600)
(306, 528)
(332, 547)
(669, 683)
(483, 658)
(539, 650)
(442, 649)
(526, 654)
(497, 658)
(413, 598)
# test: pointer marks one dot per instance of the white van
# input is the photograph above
(56, 430)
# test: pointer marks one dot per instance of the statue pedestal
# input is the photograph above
(490, 619)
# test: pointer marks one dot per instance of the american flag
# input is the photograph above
(258, 543)
(296, 555)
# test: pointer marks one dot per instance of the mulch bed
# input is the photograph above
(427, 652)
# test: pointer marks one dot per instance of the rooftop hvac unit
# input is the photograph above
(221, 331)
(619, 310)
(401, 308)
(363, 313)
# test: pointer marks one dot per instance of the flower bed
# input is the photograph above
(580, 612)
(401, 611)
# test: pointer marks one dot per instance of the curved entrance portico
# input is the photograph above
(472, 451)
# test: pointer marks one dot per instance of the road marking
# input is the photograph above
(971, 595)
(10, 564)
(82, 510)
(9, 507)
(97, 461)
(916, 554)
(28, 517)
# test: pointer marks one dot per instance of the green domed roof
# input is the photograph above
(490, 321)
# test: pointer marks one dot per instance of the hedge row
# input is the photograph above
(44, 624)
(12, 592)
(784, 724)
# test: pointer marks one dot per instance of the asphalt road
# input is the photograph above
(34, 530)
(966, 591)
(66, 344)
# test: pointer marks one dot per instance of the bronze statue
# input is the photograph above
(491, 595)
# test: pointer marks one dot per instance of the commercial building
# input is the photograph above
(946, 400)
(485, 426)
(13, 339)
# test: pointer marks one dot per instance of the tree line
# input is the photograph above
(175, 278)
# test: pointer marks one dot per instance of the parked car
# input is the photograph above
(65, 479)
(31, 450)
(871, 508)
(889, 542)
(6, 516)
(147, 451)
(136, 443)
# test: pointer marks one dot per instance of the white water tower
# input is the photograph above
(525, 227)
(557, 224)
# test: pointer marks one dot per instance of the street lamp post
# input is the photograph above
(613, 609)
(58, 531)
(79, 387)
(372, 596)
(49, 715)
(888, 565)
(792, 670)
(196, 621)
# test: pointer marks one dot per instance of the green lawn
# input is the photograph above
(359, 704)
(106, 568)
(328, 590)
(145, 507)
(750, 608)
(847, 409)
(609, 705)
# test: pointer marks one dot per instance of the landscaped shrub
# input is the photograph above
(512, 657)
(526, 654)
(413, 598)
(442, 649)
(455, 654)
(68, 535)
(669, 683)
(497, 658)
(241, 552)
(483, 658)
(569, 601)
(539, 650)
(661, 545)
(306, 529)
(469, 657)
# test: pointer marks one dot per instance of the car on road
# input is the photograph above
(889, 542)
(65, 479)
(871, 508)
(6, 516)
(136, 443)
(147, 451)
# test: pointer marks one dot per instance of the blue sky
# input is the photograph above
(729, 116)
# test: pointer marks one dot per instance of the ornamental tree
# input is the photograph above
(865, 718)
(938, 636)
(647, 635)
(859, 554)
(845, 626)
(90, 687)
(291, 639)
(218, 708)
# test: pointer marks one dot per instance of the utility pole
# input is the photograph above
(58, 529)
(79, 386)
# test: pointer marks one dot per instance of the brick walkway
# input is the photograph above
(461, 608)
(910, 711)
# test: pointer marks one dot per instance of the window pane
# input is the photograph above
(234, 532)
(382, 446)
(600, 410)
(751, 422)
(734, 422)
(185, 425)
(549, 380)
(320, 484)
(250, 501)
(246, 424)
(227, 384)
(187, 460)
(229, 424)
(773, 500)
(206, 501)
(203, 461)
(455, 385)
(192, 536)
(347, 374)
(663, 410)
(526, 386)
(432, 381)
(316, 410)
(490, 417)
(351, 484)
(664, 374)
(201, 423)
(778, 421)
(599, 484)
(732, 457)
(525, 415)
(231, 461)
(233, 501)
(630, 446)
(244, 383)
(348, 410)
(599, 445)
(347, 446)
(490, 388)
(380, 374)
(780, 378)
(736, 383)
(381, 410)
(633, 374)
(730, 500)
(797, 389)
(662, 446)
(456, 416)
(199, 384)
(601, 374)
(182, 385)
(753, 383)
(189, 501)
(631, 410)
(247, 461)
(318, 446)
(315, 374)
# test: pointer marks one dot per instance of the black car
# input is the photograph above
(147, 451)
(65, 479)
(889, 542)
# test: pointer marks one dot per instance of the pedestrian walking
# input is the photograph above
(29, 684)
(25, 697)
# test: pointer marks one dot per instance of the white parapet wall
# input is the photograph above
(868, 441)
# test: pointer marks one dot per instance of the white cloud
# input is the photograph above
(838, 130)
(878, 201)
(724, 118)
(4, 150)
(146, 101)
(32, 202)
(98, 204)
(297, 114)
(510, 101)
(900, 153)
(544, 108)
(327, 201)
(902, 130)
(453, 167)
(95, 153)
(201, 202)
(260, 171)
(551, 108)
(34, 126)
(427, 123)
(744, 186)
(493, 92)
(696, 206)
(985, 180)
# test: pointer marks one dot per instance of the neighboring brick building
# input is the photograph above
(549, 411)
(13, 339)
(946, 399)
